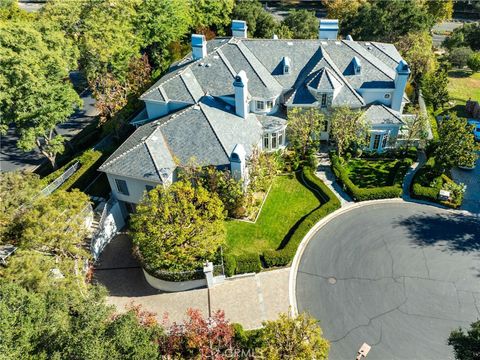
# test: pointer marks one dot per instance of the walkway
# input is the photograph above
(407, 181)
(247, 300)
(325, 173)
(471, 178)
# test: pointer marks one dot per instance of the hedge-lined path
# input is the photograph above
(407, 181)
(247, 300)
(325, 173)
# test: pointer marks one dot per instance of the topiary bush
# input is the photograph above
(248, 263)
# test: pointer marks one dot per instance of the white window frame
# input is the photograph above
(267, 138)
(323, 100)
(259, 105)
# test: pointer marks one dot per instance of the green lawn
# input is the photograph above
(462, 86)
(287, 203)
(367, 173)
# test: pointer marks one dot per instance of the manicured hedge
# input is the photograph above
(329, 203)
(248, 263)
(230, 264)
(79, 179)
(362, 194)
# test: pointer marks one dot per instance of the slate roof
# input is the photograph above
(381, 114)
(261, 59)
(206, 132)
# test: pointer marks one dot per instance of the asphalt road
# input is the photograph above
(12, 158)
(399, 277)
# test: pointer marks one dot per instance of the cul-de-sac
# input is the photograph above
(240, 179)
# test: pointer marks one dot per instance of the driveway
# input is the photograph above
(12, 159)
(247, 300)
(471, 178)
(397, 276)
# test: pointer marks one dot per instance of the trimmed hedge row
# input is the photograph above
(87, 161)
(363, 194)
(431, 193)
(329, 203)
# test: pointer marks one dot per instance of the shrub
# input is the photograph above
(274, 258)
(230, 264)
(248, 263)
(473, 61)
(459, 56)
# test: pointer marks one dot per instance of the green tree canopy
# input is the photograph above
(473, 61)
(211, 14)
(459, 56)
(302, 23)
(293, 338)
(457, 142)
(348, 129)
(261, 24)
(35, 60)
(435, 88)
(465, 35)
(161, 22)
(179, 227)
(304, 128)
(466, 345)
(387, 20)
(65, 324)
(417, 50)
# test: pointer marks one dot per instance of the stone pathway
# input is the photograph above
(325, 173)
(248, 300)
(407, 181)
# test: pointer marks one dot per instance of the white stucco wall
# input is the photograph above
(376, 95)
(136, 188)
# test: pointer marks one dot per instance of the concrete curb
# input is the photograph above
(301, 247)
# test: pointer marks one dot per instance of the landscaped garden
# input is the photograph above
(373, 178)
(288, 201)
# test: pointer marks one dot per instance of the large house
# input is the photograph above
(232, 94)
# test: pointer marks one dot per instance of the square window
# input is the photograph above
(260, 105)
(269, 104)
(122, 187)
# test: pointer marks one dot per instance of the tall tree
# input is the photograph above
(457, 143)
(35, 93)
(261, 24)
(178, 228)
(293, 338)
(435, 88)
(387, 20)
(440, 9)
(342, 9)
(62, 323)
(161, 22)
(466, 345)
(348, 129)
(302, 23)
(417, 50)
(304, 128)
(109, 41)
(211, 14)
(66, 16)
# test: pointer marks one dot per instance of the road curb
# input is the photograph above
(322, 222)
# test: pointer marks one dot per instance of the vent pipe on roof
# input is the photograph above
(199, 46)
(241, 94)
(239, 28)
(328, 29)
(275, 37)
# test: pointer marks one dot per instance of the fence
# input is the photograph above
(55, 184)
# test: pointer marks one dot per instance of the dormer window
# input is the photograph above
(357, 65)
(260, 105)
(286, 65)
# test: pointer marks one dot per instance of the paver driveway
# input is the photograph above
(398, 276)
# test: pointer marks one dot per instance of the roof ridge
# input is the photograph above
(150, 152)
(214, 131)
(255, 70)
(394, 113)
(226, 62)
(109, 162)
(374, 43)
